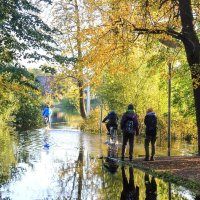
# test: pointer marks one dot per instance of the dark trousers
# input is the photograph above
(152, 140)
(126, 138)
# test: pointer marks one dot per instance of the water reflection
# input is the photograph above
(62, 163)
(151, 187)
(130, 190)
(46, 144)
(111, 164)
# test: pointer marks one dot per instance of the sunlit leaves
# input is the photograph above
(22, 30)
(20, 98)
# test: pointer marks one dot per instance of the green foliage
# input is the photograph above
(67, 104)
(48, 70)
(9, 103)
(92, 123)
(29, 114)
(147, 86)
(21, 29)
(21, 100)
(183, 92)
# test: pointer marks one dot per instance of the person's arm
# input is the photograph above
(106, 118)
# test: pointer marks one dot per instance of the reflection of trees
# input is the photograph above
(17, 147)
(7, 154)
(28, 146)
(74, 173)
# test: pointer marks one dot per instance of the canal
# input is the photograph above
(64, 163)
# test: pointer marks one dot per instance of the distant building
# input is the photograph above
(45, 83)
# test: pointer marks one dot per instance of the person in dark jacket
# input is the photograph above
(111, 120)
(129, 116)
(150, 121)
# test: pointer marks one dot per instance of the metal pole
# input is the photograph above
(88, 101)
(169, 108)
(101, 110)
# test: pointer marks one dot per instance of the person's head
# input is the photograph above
(149, 110)
(130, 107)
(112, 112)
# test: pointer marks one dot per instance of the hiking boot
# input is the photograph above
(152, 158)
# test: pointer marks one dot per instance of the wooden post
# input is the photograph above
(169, 108)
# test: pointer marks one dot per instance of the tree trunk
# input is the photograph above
(78, 41)
(192, 49)
(81, 99)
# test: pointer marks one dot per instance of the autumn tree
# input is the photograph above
(23, 35)
(71, 19)
(168, 21)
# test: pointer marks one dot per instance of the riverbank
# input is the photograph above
(181, 170)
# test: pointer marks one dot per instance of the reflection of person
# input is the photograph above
(47, 112)
(130, 191)
(129, 117)
(110, 164)
(111, 120)
(151, 188)
(151, 126)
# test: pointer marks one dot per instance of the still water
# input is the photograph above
(63, 163)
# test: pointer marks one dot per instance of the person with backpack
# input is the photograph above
(129, 126)
(111, 120)
(150, 121)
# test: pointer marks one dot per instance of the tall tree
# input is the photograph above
(69, 17)
(22, 32)
(165, 20)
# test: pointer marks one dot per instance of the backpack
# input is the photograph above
(129, 127)
(152, 123)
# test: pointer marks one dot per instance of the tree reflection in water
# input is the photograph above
(130, 191)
